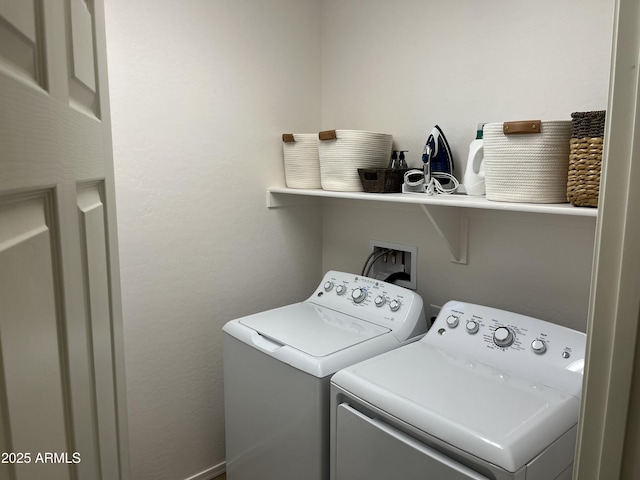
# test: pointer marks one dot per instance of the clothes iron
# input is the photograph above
(437, 156)
(436, 176)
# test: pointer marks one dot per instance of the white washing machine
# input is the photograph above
(277, 368)
(485, 394)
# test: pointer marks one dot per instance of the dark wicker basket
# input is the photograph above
(381, 180)
(585, 158)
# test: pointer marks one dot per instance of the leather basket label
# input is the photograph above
(327, 135)
(526, 126)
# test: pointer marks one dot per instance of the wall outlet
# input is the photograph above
(402, 258)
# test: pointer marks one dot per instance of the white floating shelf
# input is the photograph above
(275, 199)
(446, 212)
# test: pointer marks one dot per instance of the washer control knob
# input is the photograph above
(538, 346)
(328, 285)
(394, 305)
(358, 295)
(380, 301)
(472, 326)
(452, 321)
(503, 337)
(340, 289)
(565, 354)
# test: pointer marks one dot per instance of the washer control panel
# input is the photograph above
(480, 327)
(373, 300)
(550, 353)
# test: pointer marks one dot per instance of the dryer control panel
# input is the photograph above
(385, 304)
(510, 341)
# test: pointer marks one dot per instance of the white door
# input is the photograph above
(62, 399)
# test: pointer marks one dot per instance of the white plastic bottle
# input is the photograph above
(474, 174)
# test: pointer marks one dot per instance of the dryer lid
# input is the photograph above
(314, 330)
(474, 407)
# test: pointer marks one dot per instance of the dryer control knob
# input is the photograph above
(358, 295)
(340, 289)
(472, 326)
(328, 285)
(538, 346)
(394, 305)
(503, 337)
(380, 301)
(452, 321)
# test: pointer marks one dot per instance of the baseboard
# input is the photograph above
(210, 473)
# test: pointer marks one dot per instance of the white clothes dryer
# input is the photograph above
(485, 394)
(277, 367)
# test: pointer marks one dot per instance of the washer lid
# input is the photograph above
(471, 406)
(314, 330)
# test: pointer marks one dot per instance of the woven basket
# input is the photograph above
(585, 158)
(382, 180)
(343, 152)
(301, 161)
(527, 161)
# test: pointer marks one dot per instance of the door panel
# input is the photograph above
(29, 334)
(19, 38)
(82, 79)
(96, 271)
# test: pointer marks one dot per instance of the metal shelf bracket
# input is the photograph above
(452, 226)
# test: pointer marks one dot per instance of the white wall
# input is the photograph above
(201, 92)
(402, 67)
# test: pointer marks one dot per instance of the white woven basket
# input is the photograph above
(342, 152)
(301, 161)
(527, 161)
